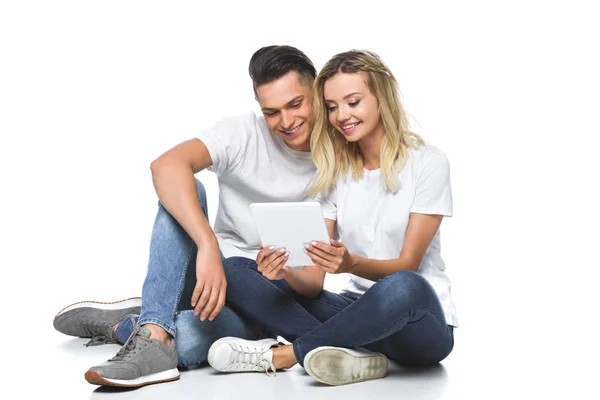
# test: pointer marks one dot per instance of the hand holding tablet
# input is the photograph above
(290, 225)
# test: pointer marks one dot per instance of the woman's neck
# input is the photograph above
(370, 148)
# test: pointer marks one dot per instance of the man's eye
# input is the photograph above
(296, 105)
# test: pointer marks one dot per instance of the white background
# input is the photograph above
(92, 92)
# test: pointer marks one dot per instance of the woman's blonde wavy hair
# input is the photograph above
(331, 153)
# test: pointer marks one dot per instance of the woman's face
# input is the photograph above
(353, 109)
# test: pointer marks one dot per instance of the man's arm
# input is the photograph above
(174, 182)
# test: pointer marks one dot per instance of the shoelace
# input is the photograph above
(98, 332)
(246, 357)
(130, 346)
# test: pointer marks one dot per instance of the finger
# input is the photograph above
(263, 253)
(271, 258)
(203, 300)
(274, 256)
(319, 252)
(323, 247)
(335, 243)
(197, 292)
(279, 261)
(220, 302)
(212, 302)
(318, 259)
(276, 266)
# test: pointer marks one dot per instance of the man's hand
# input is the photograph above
(211, 284)
(272, 266)
(334, 259)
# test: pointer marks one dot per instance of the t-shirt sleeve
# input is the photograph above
(433, 191)
(226, 142)
(328, 204)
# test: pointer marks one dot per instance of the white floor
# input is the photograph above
(206, 383)
(472, 370)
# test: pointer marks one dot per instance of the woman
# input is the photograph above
(386, 192)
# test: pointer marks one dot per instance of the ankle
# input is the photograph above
(114, 331)
(284, 357)
(158, 333)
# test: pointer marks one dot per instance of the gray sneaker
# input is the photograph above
(91, 319)
(141, 361)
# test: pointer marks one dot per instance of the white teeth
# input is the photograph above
(293, 130)
(349, 126)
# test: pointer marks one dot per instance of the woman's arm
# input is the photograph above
(336, 259)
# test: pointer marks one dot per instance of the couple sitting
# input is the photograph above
(341, 138)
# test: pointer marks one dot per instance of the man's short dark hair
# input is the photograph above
(272, 62)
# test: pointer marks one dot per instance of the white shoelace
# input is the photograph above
(247, 357)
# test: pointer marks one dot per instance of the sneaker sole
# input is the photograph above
(165, 376)
(114, 305)
(336, 367)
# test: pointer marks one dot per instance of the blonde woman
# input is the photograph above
(384, 193)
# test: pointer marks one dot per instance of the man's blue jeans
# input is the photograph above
(167, 293)
(400, 316)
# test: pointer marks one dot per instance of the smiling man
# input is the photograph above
(256, 159)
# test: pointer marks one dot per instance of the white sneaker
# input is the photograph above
(231, 354)
(339, 366)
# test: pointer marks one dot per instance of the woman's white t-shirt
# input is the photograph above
(372, 221)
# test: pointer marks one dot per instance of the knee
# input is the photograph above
(406, 283)
(235, 264)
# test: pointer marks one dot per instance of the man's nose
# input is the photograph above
(287, 120)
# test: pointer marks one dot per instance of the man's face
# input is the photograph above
(286, 105)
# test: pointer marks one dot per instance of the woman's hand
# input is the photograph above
(272, 266)
(334, 258)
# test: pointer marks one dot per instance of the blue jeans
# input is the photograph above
(167, 293)
(399, 316)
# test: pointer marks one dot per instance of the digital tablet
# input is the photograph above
(291, 225)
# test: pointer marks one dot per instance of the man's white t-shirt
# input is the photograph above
(253, 165)
(372, 221)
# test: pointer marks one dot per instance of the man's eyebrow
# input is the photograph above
(289, 103)
(295, 99)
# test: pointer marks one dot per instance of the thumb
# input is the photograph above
(336, 244)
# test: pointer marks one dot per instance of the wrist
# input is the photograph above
(207, 241)
(353, 261)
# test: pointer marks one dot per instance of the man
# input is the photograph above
(256, 159)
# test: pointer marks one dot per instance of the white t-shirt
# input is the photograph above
(372, 221)
(252, 165)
